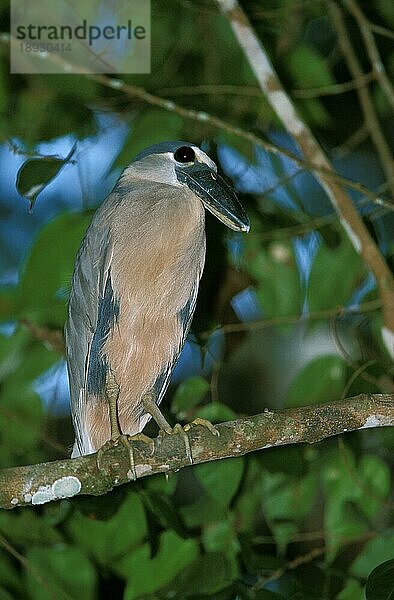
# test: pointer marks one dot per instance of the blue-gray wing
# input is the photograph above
(89, 286)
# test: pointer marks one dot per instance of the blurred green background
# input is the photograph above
(300, 522)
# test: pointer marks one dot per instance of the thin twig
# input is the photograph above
(382, 30)
(317, 315)
(309, 557)
(337, 88)
(207, 89)
(372, 50)
(364, 96)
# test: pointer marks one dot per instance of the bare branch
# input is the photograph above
(372, 49)
(330, 313)
(41, 483)
(336, 88)
(364, 96)
(349, 217)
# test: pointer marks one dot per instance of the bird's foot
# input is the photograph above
(203, 423)
(151, 408)
(129, 439)
(127, 442)
(183, 430)
(173, 431)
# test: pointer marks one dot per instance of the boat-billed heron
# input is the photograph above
(135, 286)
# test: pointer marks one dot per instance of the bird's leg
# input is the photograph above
(154, 411)
(112, 392)
(152, 408)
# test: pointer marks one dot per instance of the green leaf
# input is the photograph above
(21, 424)
(48, 270)
(340, 520)
(221, 537)
(220, 479)
(146, 575)
(314, 111)
(386, 9)
(162, 483)
(163, 508)
(352, 590)
(375, 552)
(277, 278)
(216, 412)
(4, 595)
(374, 476)
(322, 380)
(335, 275)
(285, 501)
(206, 575)
(10, 579)
(63, 572)
(107, 540)
(284, 497)
(267, 595)
(36, 173)
(189, 394)
(27, 528)
(204, 510)
(380, 583)
(308, 68)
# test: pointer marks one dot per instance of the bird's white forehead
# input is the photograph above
(200, 156)
(204, 158)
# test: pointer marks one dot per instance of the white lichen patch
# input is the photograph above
(14, 501)
(116, 84)
(169, 105)
(66, 487)
(42, 495)
(372, 421)
(202, 116)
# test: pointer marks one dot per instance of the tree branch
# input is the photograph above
(41, 483)
(377, 64)
(350, 219)
(367, 106)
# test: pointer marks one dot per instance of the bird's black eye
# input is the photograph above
(184, 154)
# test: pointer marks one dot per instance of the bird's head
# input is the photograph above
(183, 164)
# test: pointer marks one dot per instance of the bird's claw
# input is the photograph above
(127, 442)
(165, 428)
(204, 423)
(178, 428)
